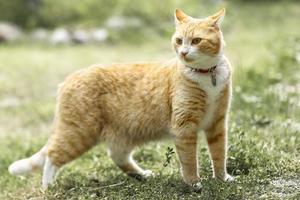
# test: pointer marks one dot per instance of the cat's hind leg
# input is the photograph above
(122, 156)
(49, 173)
(68, 142)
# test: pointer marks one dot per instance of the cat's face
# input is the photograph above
(198, 42)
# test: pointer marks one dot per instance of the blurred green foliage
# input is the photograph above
(50, 13)
(21, 12)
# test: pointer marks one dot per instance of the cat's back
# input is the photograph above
(104, 79)
(129, 96)
(116, 75)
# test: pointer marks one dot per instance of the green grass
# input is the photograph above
(264, 142)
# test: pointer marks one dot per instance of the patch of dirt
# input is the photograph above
(283, 189)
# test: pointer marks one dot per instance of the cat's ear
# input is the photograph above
(180, 17)
(217, 19)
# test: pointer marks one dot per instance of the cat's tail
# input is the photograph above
(28, 165)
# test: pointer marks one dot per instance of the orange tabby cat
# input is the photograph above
(126, 105)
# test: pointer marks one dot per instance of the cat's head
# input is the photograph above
(198, 42)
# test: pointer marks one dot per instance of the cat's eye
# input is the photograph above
(196, 41)
(179, 41)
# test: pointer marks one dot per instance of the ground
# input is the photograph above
(263, 44)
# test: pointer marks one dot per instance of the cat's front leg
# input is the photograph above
(186, 148)
(217, 144)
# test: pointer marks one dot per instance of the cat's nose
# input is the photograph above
(184, 53)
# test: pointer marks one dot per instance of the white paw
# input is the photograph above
(147, 173)
(228, 178)
(225, 178)
(196, 187)
(141, 175)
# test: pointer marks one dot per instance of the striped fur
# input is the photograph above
(126, 105)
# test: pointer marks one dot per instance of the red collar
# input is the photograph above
(203, 71)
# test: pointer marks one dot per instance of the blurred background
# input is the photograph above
(42, 41)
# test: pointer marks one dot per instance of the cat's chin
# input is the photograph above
(200, 65)
(202, 62)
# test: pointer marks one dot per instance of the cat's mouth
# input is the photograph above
(187, 59)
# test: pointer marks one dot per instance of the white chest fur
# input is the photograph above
(212, 92)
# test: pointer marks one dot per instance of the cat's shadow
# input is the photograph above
(121, 184)
(126, 186)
